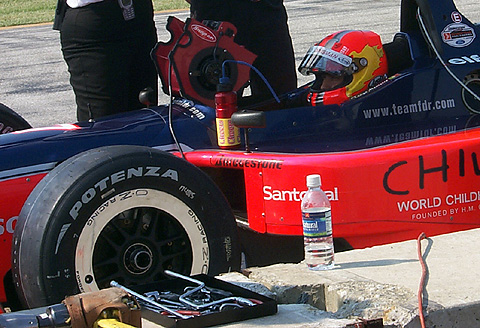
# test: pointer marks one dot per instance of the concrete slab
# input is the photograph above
(383, 281)
(378, 282)
(288, 316)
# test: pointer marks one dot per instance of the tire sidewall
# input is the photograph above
(96, 181)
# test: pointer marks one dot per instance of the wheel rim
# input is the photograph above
(138, 245)
(134, 239)
(137, 259)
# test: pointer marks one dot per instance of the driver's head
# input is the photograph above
(350, 62)
(326, 81)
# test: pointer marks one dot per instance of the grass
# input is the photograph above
(22, 12)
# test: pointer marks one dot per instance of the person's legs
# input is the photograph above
(88, 44)
(108, 58)
(142, 39)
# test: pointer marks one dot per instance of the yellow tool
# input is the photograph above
(111, 323)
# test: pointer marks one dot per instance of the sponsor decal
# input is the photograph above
(440, 205)
(7, 226)
(293, 195)
(423, 170)
(456, 17)
(458, 35)
(430, 208)
(465, 60)
(409, 135)
(415, 107)
(190, 106)
(247, 163)
(340, 58)
(204, 33)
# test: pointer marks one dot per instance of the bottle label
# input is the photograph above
(227, 133)
(317, 224)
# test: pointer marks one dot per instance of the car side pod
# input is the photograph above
(247, 119)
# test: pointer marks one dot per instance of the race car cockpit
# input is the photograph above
(345, 65)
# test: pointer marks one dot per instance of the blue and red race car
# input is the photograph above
(128, 196)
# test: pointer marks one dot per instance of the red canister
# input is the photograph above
(228, 135)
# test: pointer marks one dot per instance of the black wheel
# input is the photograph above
(123, 213)
(11, 121)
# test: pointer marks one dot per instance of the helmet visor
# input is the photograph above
(321, 59)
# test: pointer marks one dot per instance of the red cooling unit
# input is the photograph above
(193, 58)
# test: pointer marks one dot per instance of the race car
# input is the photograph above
(127, 196)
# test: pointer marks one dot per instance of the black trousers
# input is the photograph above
(108, 58)
(263, 29)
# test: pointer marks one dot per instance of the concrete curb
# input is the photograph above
(378, 282)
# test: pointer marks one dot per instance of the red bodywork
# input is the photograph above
(428, 185)
(13, 194)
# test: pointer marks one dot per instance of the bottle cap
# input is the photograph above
(224, 85)
(314, 180)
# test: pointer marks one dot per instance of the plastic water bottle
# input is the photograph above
(317, 226)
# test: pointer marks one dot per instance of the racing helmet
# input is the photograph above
(355, 60)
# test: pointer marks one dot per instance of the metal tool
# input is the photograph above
(184, 297)
(149, 300)
(162, 298)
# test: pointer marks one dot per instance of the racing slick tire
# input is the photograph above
(123, 213)
(11, 121)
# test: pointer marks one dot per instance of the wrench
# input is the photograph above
(113, 283)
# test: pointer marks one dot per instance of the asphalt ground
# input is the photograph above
(35, 83)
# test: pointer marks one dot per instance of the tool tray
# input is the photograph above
(267, 306)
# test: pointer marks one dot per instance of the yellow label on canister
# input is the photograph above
(228, 135)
